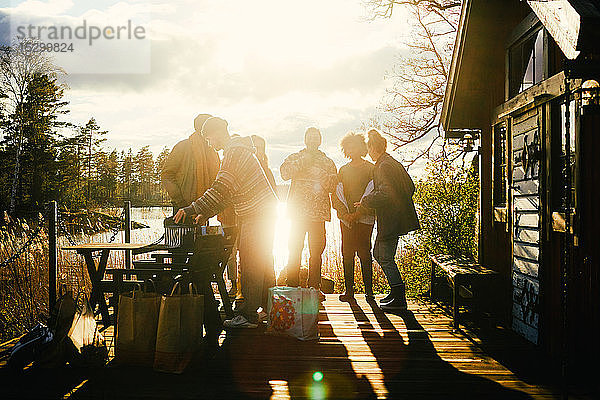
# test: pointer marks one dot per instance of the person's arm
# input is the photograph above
(219, 195)
(338, 205)
(169, 173)
(331, 177)
(362, 209)
(271, 178)
(406, 184)
(382, 195)
(291, 166)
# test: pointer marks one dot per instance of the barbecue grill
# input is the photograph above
(189, 249)
(183, 236)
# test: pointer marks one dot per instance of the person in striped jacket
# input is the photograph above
(240, 182)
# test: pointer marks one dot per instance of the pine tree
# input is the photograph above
(93, 137)
(126, 174)
(144, 165)
(18, 69)
(41, 112)
(161, 159)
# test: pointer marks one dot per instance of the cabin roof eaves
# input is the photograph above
(447, 105)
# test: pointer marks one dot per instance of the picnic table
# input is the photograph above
(203, 263)
(96, 270)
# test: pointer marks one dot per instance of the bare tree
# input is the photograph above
(412, 105)
(385, 8)
(19, 65)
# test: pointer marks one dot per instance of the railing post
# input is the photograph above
(127, 207)
(52, 254)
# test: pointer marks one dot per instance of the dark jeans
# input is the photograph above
(316, 245)
(255, 248)
(232, 264)
(384, 253)
(357, 240)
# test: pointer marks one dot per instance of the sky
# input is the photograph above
(271, 68)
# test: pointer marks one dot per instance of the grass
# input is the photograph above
(24, 282)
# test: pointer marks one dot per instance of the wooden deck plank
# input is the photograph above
(362, 353)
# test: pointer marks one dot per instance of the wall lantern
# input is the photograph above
(590, 93)
(466, 138)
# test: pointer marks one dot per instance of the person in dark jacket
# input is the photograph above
(396, 215)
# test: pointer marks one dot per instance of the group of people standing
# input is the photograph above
(202, 186)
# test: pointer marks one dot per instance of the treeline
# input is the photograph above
(45, 158)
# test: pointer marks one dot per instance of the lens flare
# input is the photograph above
(318, 376)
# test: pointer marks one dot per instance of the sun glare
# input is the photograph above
(280, 243)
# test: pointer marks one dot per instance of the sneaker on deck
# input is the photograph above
(396, 305)
(347, 297)
(262, 315)
(239, 321)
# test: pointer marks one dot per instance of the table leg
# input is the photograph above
(224, 295)
(96, 274)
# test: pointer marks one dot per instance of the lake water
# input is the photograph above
(153, 217)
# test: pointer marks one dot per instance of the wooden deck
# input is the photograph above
(362, 353)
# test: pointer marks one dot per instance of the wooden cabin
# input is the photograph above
(516, 65)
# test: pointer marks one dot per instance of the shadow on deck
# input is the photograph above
(362, 353)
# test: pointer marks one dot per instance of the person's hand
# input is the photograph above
(179, 216)
(200, 219)
(357, 204)
(351, 218)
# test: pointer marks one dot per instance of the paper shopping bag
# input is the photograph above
(179, 334)
(83, 328)
(137, 321)
(293, 311)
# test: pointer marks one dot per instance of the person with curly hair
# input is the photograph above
(355, 180)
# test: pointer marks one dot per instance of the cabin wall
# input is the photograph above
(537, 307)
(525, 246)
(527, 127)
(494, 244)
(500, 19)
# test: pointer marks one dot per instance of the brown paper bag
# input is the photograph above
(137, 322)
(179, 334)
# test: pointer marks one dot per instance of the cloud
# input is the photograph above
(49, 7)
(271, 68)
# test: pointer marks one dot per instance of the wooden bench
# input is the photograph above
(462, 276)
